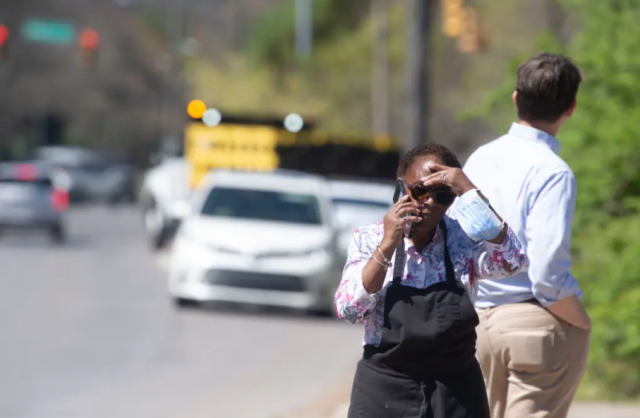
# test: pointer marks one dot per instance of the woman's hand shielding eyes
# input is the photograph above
(452, 177)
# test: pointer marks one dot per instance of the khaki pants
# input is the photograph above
(532, 362)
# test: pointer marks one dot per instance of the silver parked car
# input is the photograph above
(90, 176)
(29, 199)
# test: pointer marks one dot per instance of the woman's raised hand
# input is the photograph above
(403, 212)
(452, 177)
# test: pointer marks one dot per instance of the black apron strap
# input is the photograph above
(398, 263)
(448, 264)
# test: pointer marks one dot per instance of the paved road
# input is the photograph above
(88, 331)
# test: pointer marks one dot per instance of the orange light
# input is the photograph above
(89, 39)
(196, 109)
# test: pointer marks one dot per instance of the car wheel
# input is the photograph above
(162, 239)
(130, 197)
(112, 201)
(185, 303)
(57, 234)
(155, 226)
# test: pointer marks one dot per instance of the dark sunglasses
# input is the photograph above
(442, 196)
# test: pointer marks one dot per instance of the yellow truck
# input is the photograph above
(250, 143)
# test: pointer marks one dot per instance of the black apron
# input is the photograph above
(425, 365)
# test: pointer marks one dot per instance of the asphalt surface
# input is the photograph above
(88, 330)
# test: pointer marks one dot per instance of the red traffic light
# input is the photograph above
(4, 34)
(89, 39)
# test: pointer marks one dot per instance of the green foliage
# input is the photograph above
(153, 23)
(334, 86)
(272, 37)
(600, 143)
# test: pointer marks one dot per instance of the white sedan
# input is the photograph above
(357, 203)
(257, 238)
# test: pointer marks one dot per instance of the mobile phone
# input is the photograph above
(399, 194)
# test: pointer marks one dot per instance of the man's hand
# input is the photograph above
(571, 310)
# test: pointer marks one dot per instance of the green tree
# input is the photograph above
(601, 143)
(271, 39)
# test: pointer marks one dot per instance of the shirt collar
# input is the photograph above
(409, 248)
(536, 135)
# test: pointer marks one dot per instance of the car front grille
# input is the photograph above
(260, 281)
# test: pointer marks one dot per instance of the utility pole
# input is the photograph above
(304, 27)
(173, 71)
(557, 20)
(419, 18)
(380, 83)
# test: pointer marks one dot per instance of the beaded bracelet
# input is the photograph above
(384, 266)
(383, 257)
(386, 263)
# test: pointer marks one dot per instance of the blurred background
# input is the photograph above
(180, 179)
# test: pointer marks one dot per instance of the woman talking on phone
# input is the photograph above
(411, 280)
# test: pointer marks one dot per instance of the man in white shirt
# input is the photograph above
(534, 333)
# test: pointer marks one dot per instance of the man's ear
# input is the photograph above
(514, 97)
(571, 109)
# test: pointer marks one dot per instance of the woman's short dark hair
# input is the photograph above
(443, 153)
(547, 86)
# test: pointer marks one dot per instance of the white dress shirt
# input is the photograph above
(534, 191)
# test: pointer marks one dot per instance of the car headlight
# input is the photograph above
(294, 253)
(221, 249)
(193, 249)
(313, 252)
(194, 239)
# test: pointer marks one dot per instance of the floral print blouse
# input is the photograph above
(472, 260)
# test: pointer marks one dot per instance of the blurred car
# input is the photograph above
(90, 176)
(357, 203)
(164, 199)
(257, 238)
(30, 199)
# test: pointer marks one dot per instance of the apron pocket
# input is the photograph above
(449, 319)
(455, 319)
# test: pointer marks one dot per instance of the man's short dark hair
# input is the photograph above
(547, 85)
(443, 153)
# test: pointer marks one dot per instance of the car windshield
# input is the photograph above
(262, 205)
(340, 201)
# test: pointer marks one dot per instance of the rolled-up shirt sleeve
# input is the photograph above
(548, 234)
(352, 302)
(494, 261)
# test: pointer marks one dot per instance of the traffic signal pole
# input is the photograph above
(420, 15)
(380, 85)
(304, 27)
(173, 82)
